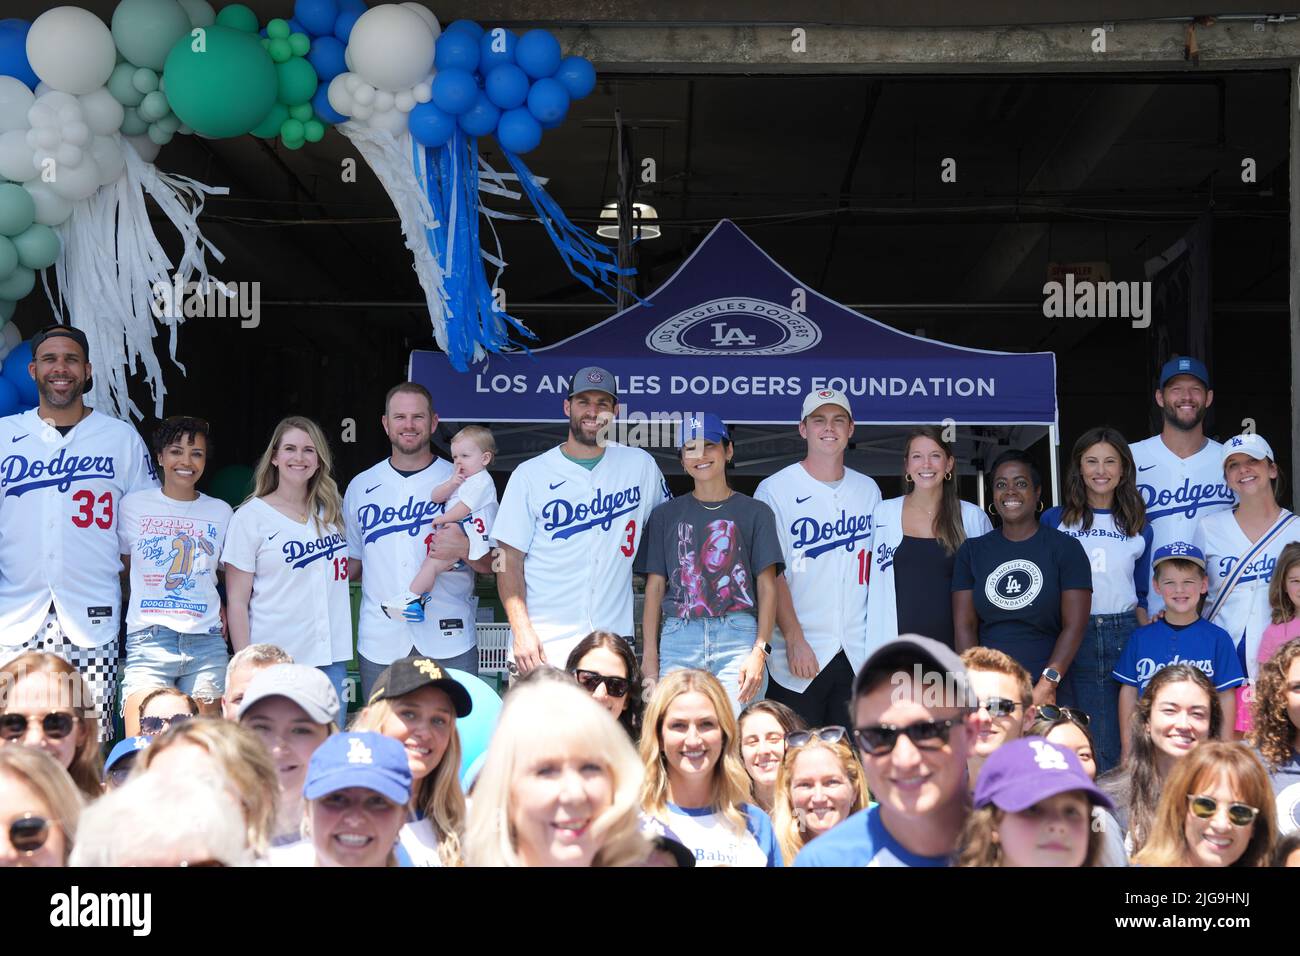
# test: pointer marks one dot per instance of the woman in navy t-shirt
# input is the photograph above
(1023, 588)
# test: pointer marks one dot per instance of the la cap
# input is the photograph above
(1251, 444)
(367, 760)
(1027, 771)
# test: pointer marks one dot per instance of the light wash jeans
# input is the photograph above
(718, 645)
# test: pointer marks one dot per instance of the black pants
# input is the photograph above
(826, 701)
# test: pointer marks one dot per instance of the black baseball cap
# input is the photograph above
(65, 331)
(411, 673)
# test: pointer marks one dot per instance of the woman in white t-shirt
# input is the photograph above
(286, 556)
(696, 788)
(171, 540)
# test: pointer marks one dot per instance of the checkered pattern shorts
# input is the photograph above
(98, 666)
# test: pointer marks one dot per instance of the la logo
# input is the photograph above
(358, 752)
(1047, 756)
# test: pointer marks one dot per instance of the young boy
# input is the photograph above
(1183, 636)
(468, 494)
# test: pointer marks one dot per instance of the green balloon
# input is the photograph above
(238, 17)
(279, 50)
(132, 124)
(144, 80)
(7, 310)
(154, 107)
(297, 81)
(293, 143)
(159, 135)
(169, 123)
(146, 30)
(278, 29)
(8, 258)
(232, 484)
(313, 130)
(300, 44)
(302, 112)
(20, 282)
(269, 128)
(225, 90)
(292, 129)
(17, 212)
(121, 86)
(38, 246)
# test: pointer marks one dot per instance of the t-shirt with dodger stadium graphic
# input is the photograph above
(175, 548)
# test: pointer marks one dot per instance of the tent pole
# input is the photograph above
(979, 489)
(1056, 475)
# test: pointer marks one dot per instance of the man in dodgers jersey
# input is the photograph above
(388, 515)
(64, 468)
(1180, 471)
(569, 526)
(823, 515)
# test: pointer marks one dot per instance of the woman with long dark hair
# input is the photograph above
(606, 667)
(915, 544)
(1105, 513)
(1276, 733)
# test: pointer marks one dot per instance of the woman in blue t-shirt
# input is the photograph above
(1023, 588)
(1105, 513)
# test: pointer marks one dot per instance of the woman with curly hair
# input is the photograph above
(1277, 730)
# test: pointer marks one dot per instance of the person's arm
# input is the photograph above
(965, 622)
(798, 652)
(1142, 577)
(751, 669)
(442, 492)
(1128, 698)
(239, 592)
(1076, 605)
(453, 515)
(528, 650)
(651, 612)
(354, 569)
(1228, 704)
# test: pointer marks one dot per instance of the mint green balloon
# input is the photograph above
(313, 130)
(300, 44)
(132, 124)
(238, 17)
(145, 80)
(154, 107)
(8, 258)
(17, 212)
(169, 123)
(291, 130)
(297, 81)
(302, 112)
(278, 29)
(7, 310)
(146, 30)
(20, 282)
(279, 49)
(269, 128)
(226, 89)
(38, 246)
(121, 86)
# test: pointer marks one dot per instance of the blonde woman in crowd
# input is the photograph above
(820, 783)
(45, 703)
(39, 809)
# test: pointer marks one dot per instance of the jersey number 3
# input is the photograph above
(628, 547)
(86, 503)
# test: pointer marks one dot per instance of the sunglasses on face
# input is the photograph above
(1052, 712)
(831, 735)
(1239, 815)
(28, 833)
(1000, 706)
(591, 680)
(152, 726)
(55, 726)
(881, 739)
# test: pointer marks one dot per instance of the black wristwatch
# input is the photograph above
(766, 648)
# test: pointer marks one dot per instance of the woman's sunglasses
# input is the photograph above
(1052, 712)
(55, 726)
(591, 680)
(152, 726)
(1239, 815)
(831, 735)
(28, 833)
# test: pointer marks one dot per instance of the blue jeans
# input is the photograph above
(157, 656)
(1095, 691)
(718, 645)
(338, 675)
(370, 671)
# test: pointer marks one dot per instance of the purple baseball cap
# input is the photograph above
(1023, 772)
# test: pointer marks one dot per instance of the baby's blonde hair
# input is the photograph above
(481, 437)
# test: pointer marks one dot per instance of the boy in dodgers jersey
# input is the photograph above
(63, 471)
(569, 526)
(823, 516)
(1180, 471)
(389, 526)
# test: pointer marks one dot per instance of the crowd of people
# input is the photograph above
(1115, 680)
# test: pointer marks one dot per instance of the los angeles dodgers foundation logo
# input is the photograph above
(1014, 584)
(567, 518)
(735, 325)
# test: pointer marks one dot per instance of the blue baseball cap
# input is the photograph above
(1184, 365)
(1027, 771)
(124, 748)
(1178, 550)
(367, 760)
(707, 426)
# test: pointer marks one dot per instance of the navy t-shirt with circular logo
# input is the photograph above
(1017, 585)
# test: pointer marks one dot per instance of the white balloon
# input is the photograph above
(102, 113)
(16, 157)
(361, 112)
(426, 15)
(43, 137)
(365, 95)
(68, 156)
(146, 147)
(11, 337)
(41, 115)
(71, 49)
(347, 60)
(108, 156)
(383, 101)
(201, 13)
(51, 208)
(78, 134)
(42, 89)
(351, 82)
(394, 121)
(423, 91)
(391, 47)
(404, 101)
(339, 96)
(76, 182)
(15, 100)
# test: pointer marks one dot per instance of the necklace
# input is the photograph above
(712, 507)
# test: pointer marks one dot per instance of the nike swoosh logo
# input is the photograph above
(380, 485)
(1145, 467)
(272, 537)
(557, 484)
(800, 501)
(19, 438)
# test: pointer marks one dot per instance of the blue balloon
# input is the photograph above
(456, 51)
(547, 101)
(344, 24)
(578, 76)
(454, 91)
(431, 126)
(507, 86)
(13, 51)
(496, 47)
(10, 401)
(15, 370)
(553, 124)
(481, 118)
(296, 27)
(326, 58)
(518, 131)
(475, 729)
(320, 102)
(538, 54)
(469, 26)
(317, 16)
(358, 5)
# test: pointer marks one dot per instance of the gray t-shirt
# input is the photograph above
(710, 555)
(1286, 788)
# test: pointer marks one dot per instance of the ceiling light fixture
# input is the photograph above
(640, 211)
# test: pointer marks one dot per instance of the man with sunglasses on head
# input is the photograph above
(64, 469)
(1004, 701)
(914, 726)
